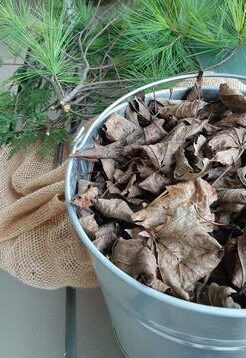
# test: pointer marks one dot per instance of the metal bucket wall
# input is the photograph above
(148, 323)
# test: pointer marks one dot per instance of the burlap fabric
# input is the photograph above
(37, 242)
(215, 82)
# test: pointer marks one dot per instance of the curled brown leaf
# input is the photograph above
(163, 153)
(215, 295)
(232, 196)
(227, 145)
(155, 182)
(109, 167)
(232, 120)
(86, 200)
(195, 92)
(110, 151)
(118, 127)
(235, 261)
(105, 237)
(88, 222)
(114, 208)
(242, 175)
(185, 109)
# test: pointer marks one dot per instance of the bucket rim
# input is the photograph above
(160, 296)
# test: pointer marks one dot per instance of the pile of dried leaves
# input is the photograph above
(166, 197)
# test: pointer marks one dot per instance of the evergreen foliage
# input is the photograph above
(66, 73)
(165, 37)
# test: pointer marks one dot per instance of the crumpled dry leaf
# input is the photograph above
(232, 120)
(214, 111)
(131, 190)
(235, 261)
(118, 127)
(114, 208)
(194, 126)
(163, 153)
(195, 92)
(112, 188)
(110, 151)
(233, 196)
(144, 169)
(83, 186)
(183, 170)
(86, 200)
(119, 175)
(132, 115)
(185, 109)
(109, 167)
(106, 236)
(215, 295)
(227, 145)
(232, 98)
(198, 145)
(156, 104)
(143, 111)
(226, 157)
(135, 258)
(123, 177)
(155, 182)
(179, 219)
(88, 222)
(154, 132)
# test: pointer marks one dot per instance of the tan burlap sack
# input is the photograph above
(37, 242)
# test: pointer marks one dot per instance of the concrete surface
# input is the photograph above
(32, 321)
(95, 338)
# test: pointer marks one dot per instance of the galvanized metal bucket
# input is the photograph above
(149, 323)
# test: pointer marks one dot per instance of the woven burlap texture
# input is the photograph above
(37, 242)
